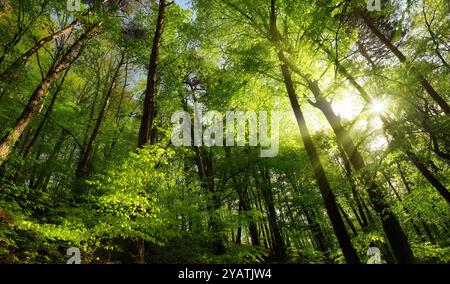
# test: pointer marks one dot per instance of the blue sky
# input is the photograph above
(185, 4)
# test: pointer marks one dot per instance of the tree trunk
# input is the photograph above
(149, 113)
(31, 137)
(244, 202)
(22, 28)
(325, 189)
(443, 191)
(279, 250)
(26, 55)
(316, 231)
(37, 99)
(238, 239)
(348, 172)
(45, 174)
(119, 128)
(345, 243)
(84, 163)
(397, 238)
(386, 123)
(347, 219)
(402, 58)
(47, 114)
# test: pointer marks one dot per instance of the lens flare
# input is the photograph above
(378, 106)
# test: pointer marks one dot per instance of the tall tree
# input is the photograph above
(149, 112)
(37, 99)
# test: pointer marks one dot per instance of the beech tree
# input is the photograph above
(93, 104)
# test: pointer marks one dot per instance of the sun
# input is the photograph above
(377, 106)
(348, 107)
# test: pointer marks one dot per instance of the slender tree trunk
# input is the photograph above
(22, 28)
(347, 219)
(206, 175)
(47, 114)
(215, 222)
(443, 191)
(32, 134)
(345, 243)
(253, 229)
(45, 174)
(434, 133)
(246, 207)
(37, 99)
(317, 232)
(267, 193)
(434, 38)
(149, 113)
(266, 232)
(238, 239)
(408, 189)
(395, 234)
(118, 129)
(348, 172)
(362, 49)
(402, 58)
(325, 189)
(244, 203)
(253, 226)
(386, 123)
(84, 163)
(313, 226)
(90, 121)
(290, 216)
(26, 55)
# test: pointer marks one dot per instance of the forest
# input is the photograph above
(225, 131)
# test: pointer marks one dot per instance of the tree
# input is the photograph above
(36, 100)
